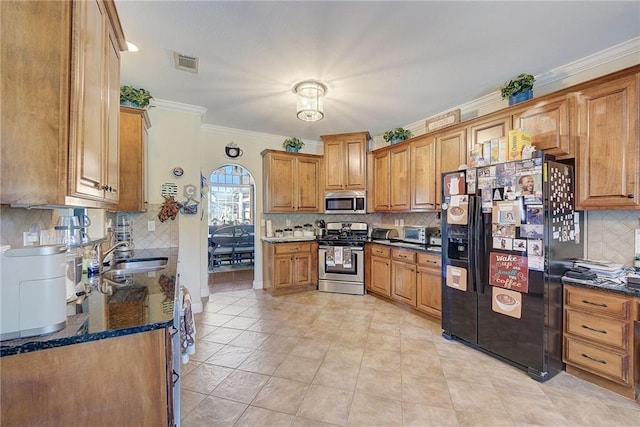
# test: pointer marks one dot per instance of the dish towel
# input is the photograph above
(346, 257)
(338, 255)
(330, 260)
(187, 327)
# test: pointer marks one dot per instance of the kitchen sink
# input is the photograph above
(136, 265)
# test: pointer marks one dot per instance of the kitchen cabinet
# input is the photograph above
(551, 126)
(134, 125)
(423, 174)
(608, 158)
(403, 276)
(451, 152)
(391, 178)
(291, 182)
(345, 163)
(488, 128)
(380, 262)
(429, 284)
(290, 267)
(61, 146)
(122, 380)
(599, 338)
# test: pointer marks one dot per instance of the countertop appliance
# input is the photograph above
(505, 251)
(341, 258)
(33, 291)
(345, 202)
(418, 233)
(384, 233)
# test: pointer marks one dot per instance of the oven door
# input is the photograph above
(332, 266)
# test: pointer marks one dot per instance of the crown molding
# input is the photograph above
(617, 57)
(177, 106)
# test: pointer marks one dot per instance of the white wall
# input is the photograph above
(174, 140)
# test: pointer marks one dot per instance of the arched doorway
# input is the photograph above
(231, 229)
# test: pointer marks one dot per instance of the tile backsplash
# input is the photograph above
(165, 234)
(610, 234)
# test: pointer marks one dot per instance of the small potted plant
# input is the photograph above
(292, 144)
(396, 135)
(519, 89)
(134, 97)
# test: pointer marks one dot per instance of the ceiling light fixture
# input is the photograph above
(309, 100)
(132, 47)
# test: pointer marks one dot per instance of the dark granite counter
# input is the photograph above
(114, 305)
(603, 285)
(436, 250)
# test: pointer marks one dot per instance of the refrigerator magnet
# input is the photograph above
(456, 277)
(506, 302)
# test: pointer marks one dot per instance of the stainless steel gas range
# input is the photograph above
(341, 258)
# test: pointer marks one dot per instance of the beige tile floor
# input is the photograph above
(320, 359)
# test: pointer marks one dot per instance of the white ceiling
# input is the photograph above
(386, 64)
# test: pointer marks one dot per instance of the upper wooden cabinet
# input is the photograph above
(134, 125)
(391, 168)
(607, 164)
(451, 152)
(486, 129)
(423, 174)
(550, 125)
(61, 146)
(345, 163)
(291, 182)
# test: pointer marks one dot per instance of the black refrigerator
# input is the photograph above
(510, 231)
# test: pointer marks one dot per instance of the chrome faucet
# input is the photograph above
(101, 257)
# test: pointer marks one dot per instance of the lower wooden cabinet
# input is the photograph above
(429, 284)
(404, 275)
(114, 381)
(599, 338)
(290, 267)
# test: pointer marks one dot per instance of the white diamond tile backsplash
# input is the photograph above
(611, 235)
(164, 236)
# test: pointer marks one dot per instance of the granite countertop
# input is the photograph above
(288, 239)
(114, 305)
(436, 250)
(603, 285)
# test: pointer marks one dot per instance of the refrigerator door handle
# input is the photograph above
(471, 249)
(478, 238)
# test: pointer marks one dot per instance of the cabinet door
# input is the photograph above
(112, 156)
(367, 267)
(381, 181)
(279, 176)
(355, 177)
(307, 184)
(403, 282)
(451, 152)
(399, 169)
(303, 269)
(423, 175)
(429, 291)
(487, 130)
(381, 275)
(334, 165)
(283, 272)
(550, 126)
(607, 160)
(87, 112)
(133, 141)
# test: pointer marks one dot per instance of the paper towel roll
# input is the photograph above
(269, 229)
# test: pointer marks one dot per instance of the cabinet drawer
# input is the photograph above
(283, 249)
(403, 255)
(429, 261)
(597, 302)
(606, 363)
(596, 328)
(381, 251)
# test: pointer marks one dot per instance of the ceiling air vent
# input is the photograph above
(185, 62)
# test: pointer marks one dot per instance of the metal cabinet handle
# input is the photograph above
(599, 304)
(604, 362)
(602, 331)
(630, 196)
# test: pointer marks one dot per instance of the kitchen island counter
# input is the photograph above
(113, 306)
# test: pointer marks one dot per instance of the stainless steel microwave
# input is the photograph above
(345, 202)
